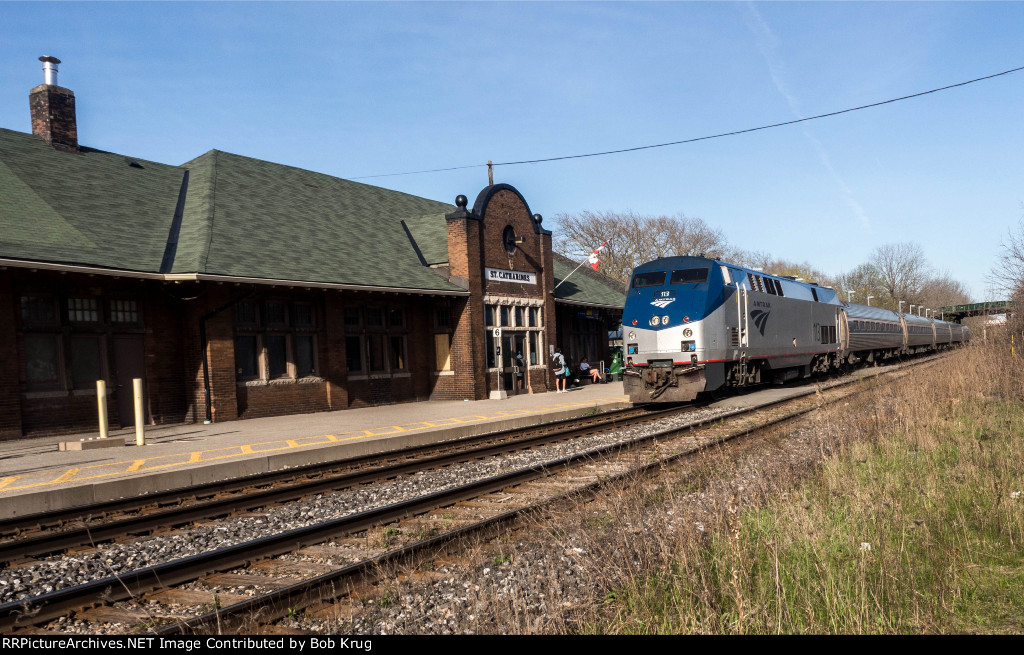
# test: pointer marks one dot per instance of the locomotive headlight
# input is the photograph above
(664, 320)
(687, 333)
(632, 335)
(654, 320)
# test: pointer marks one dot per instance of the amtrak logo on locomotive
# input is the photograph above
(664, 298)
(760, 319)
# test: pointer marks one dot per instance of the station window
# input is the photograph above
(246, 357)
(275, 339)
(354, 354)
(124, 311)
(374, 317)
(66, 338)
(519, 334)
(352, 317)
(375, 340)
(442, 317)
(442, 352)
(83, 310)
(42, 362)
(39, 310)
(442, 337)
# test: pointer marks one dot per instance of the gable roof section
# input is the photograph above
(586, 286)
(89, 208)
(250, 218)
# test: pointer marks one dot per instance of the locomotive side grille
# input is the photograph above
(734, 337)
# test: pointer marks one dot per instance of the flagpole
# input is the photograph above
(581, 265)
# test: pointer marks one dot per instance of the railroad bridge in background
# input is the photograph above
(959, 312)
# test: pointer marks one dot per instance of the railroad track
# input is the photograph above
(349, 558)
(48, 533)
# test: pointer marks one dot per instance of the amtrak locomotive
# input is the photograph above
(693, 324)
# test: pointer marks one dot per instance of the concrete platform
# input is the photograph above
(36, 476)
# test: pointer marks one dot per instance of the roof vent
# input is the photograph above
(132, 163)
(50, 69)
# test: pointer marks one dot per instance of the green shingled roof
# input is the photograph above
(586, 286)
(250, 218)
(242, 217)
(430, 235)
(90, 207)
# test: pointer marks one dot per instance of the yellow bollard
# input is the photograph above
(140, 415)
(101, 405)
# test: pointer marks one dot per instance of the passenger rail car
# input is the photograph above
(693, 324)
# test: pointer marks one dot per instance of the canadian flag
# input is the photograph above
(593, 256)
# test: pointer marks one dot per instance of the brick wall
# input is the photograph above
(279, 399)
(467, 350)
(332, 351)
(10, 394)
(220, 353)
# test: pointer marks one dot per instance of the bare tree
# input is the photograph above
(861, 282)
(942, 291)
(1008, 274)
(902, 269)
(634, 239)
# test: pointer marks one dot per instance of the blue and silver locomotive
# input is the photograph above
(693, 324)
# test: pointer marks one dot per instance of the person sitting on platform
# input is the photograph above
(586, 369)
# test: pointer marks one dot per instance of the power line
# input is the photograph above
(702, 138)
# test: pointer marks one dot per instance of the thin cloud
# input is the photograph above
(768, 45)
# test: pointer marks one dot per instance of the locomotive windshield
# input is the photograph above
(689, 276)
(652, 279)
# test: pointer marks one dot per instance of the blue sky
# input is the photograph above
(359, 89)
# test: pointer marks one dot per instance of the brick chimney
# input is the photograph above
(53, 110)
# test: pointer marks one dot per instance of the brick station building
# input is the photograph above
(240, 288)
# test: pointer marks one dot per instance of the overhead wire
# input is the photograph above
(700, 138)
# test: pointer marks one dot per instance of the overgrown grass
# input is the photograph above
(913, 523)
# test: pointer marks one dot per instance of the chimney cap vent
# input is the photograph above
(50, 69)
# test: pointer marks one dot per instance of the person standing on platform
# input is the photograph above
(561, 370)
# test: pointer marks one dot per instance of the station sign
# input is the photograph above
(517, 277)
